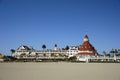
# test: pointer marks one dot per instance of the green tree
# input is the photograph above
(55, 45)
(67, 47)
(44, 46)
(12, 50)
(112, 51)
(116, 51)
(74, 58)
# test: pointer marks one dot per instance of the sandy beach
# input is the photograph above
(59, 71)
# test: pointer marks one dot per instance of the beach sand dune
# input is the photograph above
(59, 71)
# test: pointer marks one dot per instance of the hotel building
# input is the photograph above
(25, 52)
(86, 49)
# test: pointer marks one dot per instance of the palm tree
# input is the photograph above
(67, 47)
(55, 45)
(43, 46)
(12, 50)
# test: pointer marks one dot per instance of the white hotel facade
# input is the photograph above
(86, 49)
(24, 52)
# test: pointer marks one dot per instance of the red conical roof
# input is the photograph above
(87, 48)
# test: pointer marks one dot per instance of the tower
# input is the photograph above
(87, 48)
(55, 47)
(86, 38)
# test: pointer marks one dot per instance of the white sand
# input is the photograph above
(59, 71)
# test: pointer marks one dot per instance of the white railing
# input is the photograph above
(104, 58)
(41, 57)
(86, 58)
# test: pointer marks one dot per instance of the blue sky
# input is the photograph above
(62, 22)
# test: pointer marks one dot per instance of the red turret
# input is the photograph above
(86, 48)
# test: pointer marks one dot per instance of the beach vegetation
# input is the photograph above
(44, 46)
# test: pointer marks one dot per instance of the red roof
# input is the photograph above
(86, 47)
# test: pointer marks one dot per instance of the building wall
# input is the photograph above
(24, 53)
(72, 51)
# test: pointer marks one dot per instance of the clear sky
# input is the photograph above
(61, 22)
